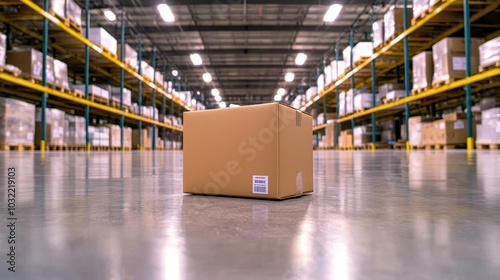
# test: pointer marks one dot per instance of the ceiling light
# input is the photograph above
(215, 92)
(218, 98)
(332, 13)
(233, 105)
(198, 93)
(207, 77)
(300, 59)
(277, 98)
(110, 16)
(193, 102)
(196, 59)
(281, 92)
(289, 77)
(175, 73)
(166, 13)
(222, 104)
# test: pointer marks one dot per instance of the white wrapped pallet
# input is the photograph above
(29, 61)
(54, 126)
(61, 74)
(103, 39)
(346, 53)
(74, 12)
(3, 48)
(328, 75)
(321, 82)
(127, 95)
(423, 69)
(129, 56)
(147, 70)
(342, 105)
(93, 90)
(361, 51)
(419, 7)
(394, 22)
(378, 33)
(17, 122)
(114, 135)
(489, 53)
(99, 136)
(127, 137)
(337, 65)
(364, 101)
(75, 130)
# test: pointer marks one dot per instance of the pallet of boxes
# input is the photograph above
(17, 125)
(488, 128)
(450, 132)
(54, 129)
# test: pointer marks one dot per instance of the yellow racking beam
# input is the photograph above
(460, 83)
(108, 56)
(83, 101)
(318, 127)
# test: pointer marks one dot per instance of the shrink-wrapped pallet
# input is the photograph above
(129, 56)
(61, 73)
(17, 122)
(423, 69)
(30, 62)
(489, 53)
(54, 126)
(75, 130)
(394, 22)
(102, 38)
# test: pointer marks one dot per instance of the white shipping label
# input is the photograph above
(498, 128)
(30, 136)
(459, 125)
(260, 184)
(442, 125)
(458, 63)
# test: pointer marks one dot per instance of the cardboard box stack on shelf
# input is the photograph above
(395, 95)
(489, 54)
(29, 61)
(420, 7)
(114, 135)
(389, 134)
(363, 99)
(488, 132)
(103, 39)
(451, 130)
(146, 137)
(54, 126)
(93, 90)
(423, 70)
(321, 82)
(74, 129)
(99, 136)
(416, 128)
(386, 88)
(3, 48)
(342, 103)
(346, 54)
(449, 59)
(127, 137)
(129, 56)
(337, 69)
(363, 135)
(378, 33)
(147, 70)
(328, 75)
(394, 22)
(311, 93)
(61, 74)
(345, 139)
(330, 139)
(74, 12)
(127, 95)
(17, 122)
(57, 7)
(159, 78)
(362, 51)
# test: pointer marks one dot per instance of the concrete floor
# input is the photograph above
(374, 215)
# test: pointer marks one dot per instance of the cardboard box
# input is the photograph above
(428, 134)
(423, 69)
(419, 6)
(454, 116)
(450, 132)
(378, 33)
(102, 38)
(3, 48)
(61, 73)
(114, 135)
(394, 21)
(489, 52)
(17, 122)
(145, 139)
(268, 156)
(415, 129)
(449, 58)
(54, 126)
(30, 62)
(74, 12)
(129, 56)
(74, 130)
(386, 88)
(346, 140)
(330, 134)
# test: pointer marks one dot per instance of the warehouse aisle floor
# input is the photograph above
(374, 215)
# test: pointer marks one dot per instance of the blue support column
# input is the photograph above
(45, 43)
(407, 72)
(337, 125)
(122, 75)
(153, 101)
(163, 104)
(87, 74)
(374, 92)
(324, 96)
(468, 73)
(172, 108)
(139, 89)
(351, 45)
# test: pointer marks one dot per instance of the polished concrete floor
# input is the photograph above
(374, 215)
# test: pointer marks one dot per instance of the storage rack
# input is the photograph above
(382, 64)
(78, 47)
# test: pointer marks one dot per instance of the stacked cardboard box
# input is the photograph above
(346, 53)
(129, 56)
(99, 136)
(389, 134)
(147, 70)
(415, 129)
(74, 129)
(146, 137)
(17, 122)
(488, 132)
(361, 51)
(127, 95)
(342, 105)
(378, 33)
(337, 69)
(423, 69)
(127, 137)
(321, 82)
(54, 126)
(449, 58)
(330, 134)
(386, 88)
(489, 52)
(345, 140)
(452, 129)
(364, 134)
(420, 6)
(114, 135)
(3, 48)
(30, 62)
(364, 100)
(395, 94)
(61, 73)
(394, 22)
(74, 12)
(102, 38)
(93, 90)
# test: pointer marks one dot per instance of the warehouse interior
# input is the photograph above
(127, 129)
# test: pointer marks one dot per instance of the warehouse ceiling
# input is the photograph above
(246, 45)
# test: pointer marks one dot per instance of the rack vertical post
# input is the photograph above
(351, 45)
(139, 90)
(153, 101)
(374, 89)
(406, 72)
(45, 43)
(468, 73)
(122, 75)
(87, 74)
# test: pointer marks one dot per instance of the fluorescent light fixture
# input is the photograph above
(175, 73)
(332, 13)
(166, 13)
(207, 77)
(289, 77)
(198, 93)
(193, 102)
(300, 59)
(277, 98)
(233, 105)
(110, 16)
(218, 98)
(215, 92)
(281, 92)
(222, 104)
(196, 59)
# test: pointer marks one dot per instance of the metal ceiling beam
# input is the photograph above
(147, 3)
(241, 51)
(238, 28)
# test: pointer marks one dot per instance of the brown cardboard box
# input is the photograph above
(394, 21)
(330, 134)
(450, 132)
(454, 116)
(30, 62)
(423, 69)
(268, 156)
(428, 134)
(145, 139)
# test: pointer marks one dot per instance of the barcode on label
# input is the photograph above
(259, 184)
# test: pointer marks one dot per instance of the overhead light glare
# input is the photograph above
(166, 13)
(332, 13)
(281, 92)
(222, 104)
(277, 98)
(289, 77)
(215, 92)
(207, 78)
(218, 98)
(196, 59)
(233, 105)
(300, 59)
(110, 16)
(175, 73)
